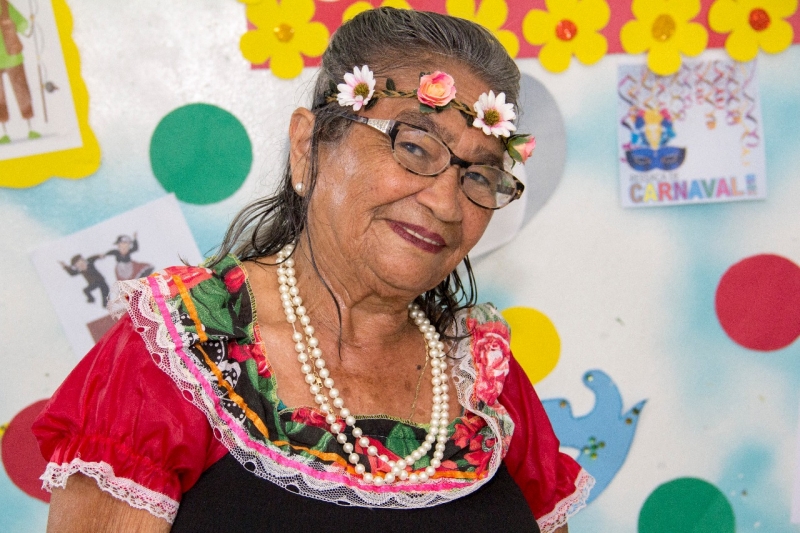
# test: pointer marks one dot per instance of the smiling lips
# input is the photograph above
(419, 236)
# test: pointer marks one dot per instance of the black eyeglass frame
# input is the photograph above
(390, 128)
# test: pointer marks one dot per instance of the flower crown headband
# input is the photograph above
(436, 93)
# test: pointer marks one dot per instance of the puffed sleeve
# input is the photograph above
(121, 420)
(553, 483)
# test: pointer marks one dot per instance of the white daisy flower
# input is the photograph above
(494, 115)
(357, 89)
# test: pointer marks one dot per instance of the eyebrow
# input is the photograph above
(415, 118)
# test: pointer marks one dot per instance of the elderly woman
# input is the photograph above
(333, 372)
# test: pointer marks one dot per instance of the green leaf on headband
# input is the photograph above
(425, 109)
(440, 108)
(332, 87)
(372, 102)
(390, 86)
(514, 153)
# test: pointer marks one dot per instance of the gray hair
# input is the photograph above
(390, 39)
(386, 39)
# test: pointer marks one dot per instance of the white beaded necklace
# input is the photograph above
(321, 386)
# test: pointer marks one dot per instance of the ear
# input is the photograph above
(301, 128)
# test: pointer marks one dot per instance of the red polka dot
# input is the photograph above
(758, 302)
(24, 464)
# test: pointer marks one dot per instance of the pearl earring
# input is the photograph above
(299, 187)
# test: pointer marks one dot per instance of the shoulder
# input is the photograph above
(119, 419)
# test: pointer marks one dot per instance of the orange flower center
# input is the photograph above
(663, 27)
(759, 19)
(566, 30)
(362, 89)
(491, 117)
(283, 33)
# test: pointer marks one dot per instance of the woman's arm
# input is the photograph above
(562, 529)
(82, 506)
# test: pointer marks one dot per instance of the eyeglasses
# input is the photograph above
(421, 153)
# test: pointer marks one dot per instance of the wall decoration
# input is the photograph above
(281, 34)
(45, 125)
(687, 504)
(663, 30)
(752, 25)
(200, 152)
(695, 137)
(758, 302)
(20, 452)
(534, 341)
(602, 437)
(552, 31)
(568, 28)
(79, 271)
(491, 14)
(795, 518)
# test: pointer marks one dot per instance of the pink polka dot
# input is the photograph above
(758, 302)
(21, 457)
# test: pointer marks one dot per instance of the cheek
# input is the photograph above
(353, 180)
(368, 173)
(476, 220)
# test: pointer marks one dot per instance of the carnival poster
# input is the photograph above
(693, 137)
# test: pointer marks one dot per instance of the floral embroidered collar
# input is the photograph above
(437, 92)
(201, 328)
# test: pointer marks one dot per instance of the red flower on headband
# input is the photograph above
(436, 90)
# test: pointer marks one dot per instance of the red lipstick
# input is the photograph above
(420, 237)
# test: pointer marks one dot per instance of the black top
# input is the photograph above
(229, 498)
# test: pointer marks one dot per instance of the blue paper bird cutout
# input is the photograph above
(603, 436)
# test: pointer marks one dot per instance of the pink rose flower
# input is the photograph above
(437, 89)
(526, 149)
(492, 352)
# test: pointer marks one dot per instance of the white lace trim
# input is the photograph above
(569, 505)
(154, 316)
(121, 488)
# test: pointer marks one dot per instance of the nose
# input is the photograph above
(443, 195)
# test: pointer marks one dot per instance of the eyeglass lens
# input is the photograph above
(424, 154)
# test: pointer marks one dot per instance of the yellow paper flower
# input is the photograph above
(360, 7)
(663, 28)
(567, 28)
(283, 31)
(753, 24)
(491, 14)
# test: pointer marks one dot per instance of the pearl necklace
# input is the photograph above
(327, 396)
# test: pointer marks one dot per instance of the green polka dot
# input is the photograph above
(201, 153)
(688, 505)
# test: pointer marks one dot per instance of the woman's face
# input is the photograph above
(381, 226)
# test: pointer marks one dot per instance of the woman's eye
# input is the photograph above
(413, 149)
(478, 179)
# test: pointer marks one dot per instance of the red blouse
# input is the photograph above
(122, 420)
(103, 415)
